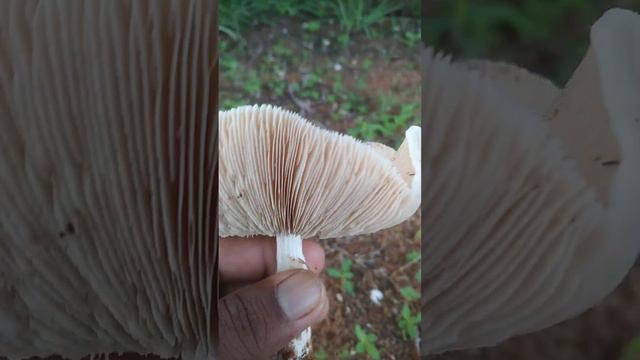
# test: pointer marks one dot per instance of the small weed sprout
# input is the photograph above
(409, 293)
(344, 353)
(412, 256)
(631, 351)
(320, 355)
(408, 323)
(344, 274)
(366, 343)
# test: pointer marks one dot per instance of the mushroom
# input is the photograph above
(532, 194)
(282, 176)
(107, 178)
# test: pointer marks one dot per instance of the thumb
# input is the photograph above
(258, 320)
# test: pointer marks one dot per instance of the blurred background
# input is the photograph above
(350, 66)
(547, 37)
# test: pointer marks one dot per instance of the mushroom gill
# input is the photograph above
(531, 193)
(107, 178)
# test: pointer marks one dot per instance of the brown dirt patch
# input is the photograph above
(379, 263)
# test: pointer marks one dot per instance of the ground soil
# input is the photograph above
(379, 263)
(393, 69)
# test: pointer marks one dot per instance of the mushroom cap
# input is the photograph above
(107, 178)
(531, 218)
(279, 174)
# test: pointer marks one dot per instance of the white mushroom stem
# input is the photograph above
(289, 256)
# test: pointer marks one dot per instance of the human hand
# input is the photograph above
(261, 311)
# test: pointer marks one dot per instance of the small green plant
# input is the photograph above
(278, 87)
(281, 49)
(229, 65)
(366, 343)
(252, 85)
(405, 115)
(411, 38)
(353, 103)
(367, 131)
(361, 84)
(412, 256)
(408, 323)
(338, 85)
(409, 293)
(387, 121)
(310, 87)
(343, 39)
(321, 355)
(631, 351)
(366, 64)
(344, 274)
(344, 353)
(312, 26)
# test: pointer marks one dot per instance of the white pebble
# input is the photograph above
(376, 295)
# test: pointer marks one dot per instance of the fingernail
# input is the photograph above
(299, 294)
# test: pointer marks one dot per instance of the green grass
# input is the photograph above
(237, 16)
(546, 36)
(361, 15)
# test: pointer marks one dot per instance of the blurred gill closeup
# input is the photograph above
(531, 191)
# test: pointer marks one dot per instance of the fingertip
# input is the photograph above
(325, 307)
(314, 255)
